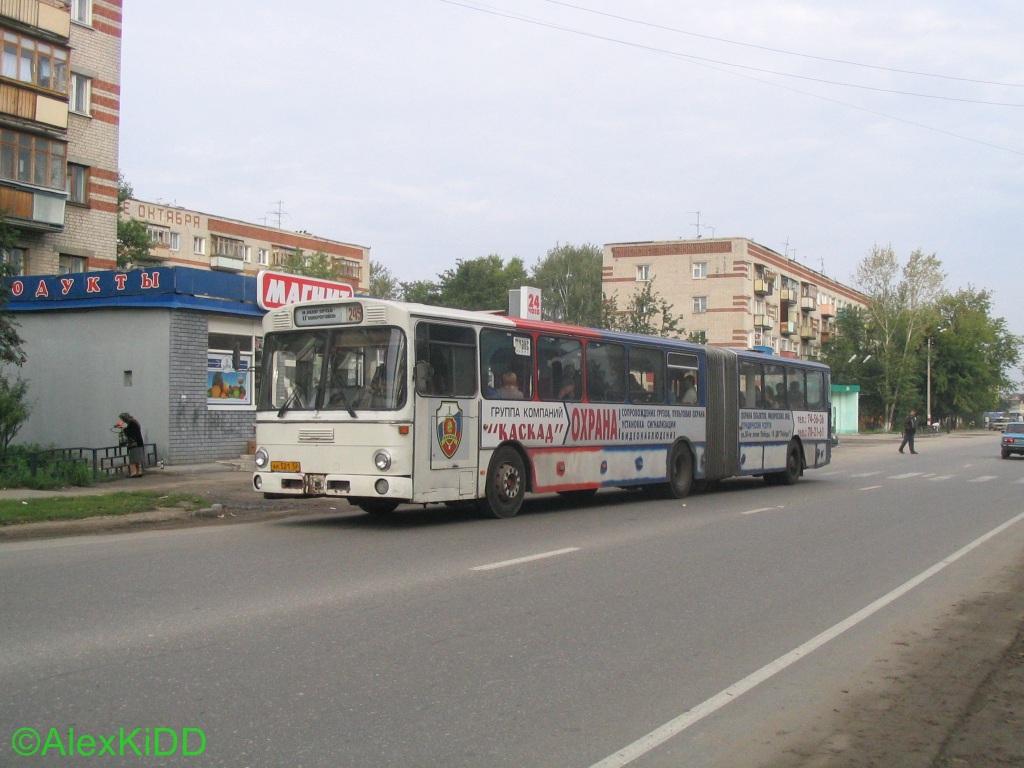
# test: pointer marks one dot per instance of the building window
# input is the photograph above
(700, 270)
(349, 269)
(700, 303)
(35, 62)
(199, 245)
(225, 246)
(159, 236)
(175, 241)
(78, 184)
(262, 256)
(643, 273)
(33, 160)
(81, 11)
(80, 99)
(68, 264)
(699, 337)
(17, 257)
(247, 254)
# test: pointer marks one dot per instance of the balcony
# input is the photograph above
(807, 331)
(227, 263)
(35, 209)
(762, 321)
(808, 303)
(788, 328)
(827, 310)
(787, 295)
(762, 287)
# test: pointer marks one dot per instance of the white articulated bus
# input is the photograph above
(383, 403)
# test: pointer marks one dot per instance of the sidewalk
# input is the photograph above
(155, 479)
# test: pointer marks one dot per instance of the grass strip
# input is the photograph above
(14, 511)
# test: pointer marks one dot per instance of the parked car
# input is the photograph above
(1013, 439)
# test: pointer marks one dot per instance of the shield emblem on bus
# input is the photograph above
(449, 427)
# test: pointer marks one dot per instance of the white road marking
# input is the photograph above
(672, 728)
(904, 476)
(867, 474)
(528, 558)
(869, 488)
(761, 509)
(984, 479)
(941, 477)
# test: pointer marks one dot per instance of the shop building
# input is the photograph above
(174, 346)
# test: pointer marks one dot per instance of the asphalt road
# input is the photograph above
(630, 631)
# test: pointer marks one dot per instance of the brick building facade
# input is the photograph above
(59, 113)
(733, 292)
(182, 237)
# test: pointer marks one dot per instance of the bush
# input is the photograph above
(14, 410)
(51, 471)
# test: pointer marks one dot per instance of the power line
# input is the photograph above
(708, 65)
(783, 51)
(520, 17)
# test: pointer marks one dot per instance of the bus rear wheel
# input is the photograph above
(506, 483)
(680, 471)
(794, 468)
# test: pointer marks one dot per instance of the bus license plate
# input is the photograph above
(285, 466)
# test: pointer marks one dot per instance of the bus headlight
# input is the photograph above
(382, 459)
(261, 458)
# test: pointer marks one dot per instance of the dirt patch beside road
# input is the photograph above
(951, 698)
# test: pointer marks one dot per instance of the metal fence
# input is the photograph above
(104, 461)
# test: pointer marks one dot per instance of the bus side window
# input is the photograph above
(445, 360)
(752, 385)
(683, 379)
(606, 372)
(647, 376)
(775, 388)
(506, 357)
(796, 389)
(559, 368)
(815, 391)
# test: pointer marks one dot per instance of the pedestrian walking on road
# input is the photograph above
(909, 430)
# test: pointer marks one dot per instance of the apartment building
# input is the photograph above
(186, 238)
(733, 292)
(59, 115)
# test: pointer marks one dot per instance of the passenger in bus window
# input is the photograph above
(510, 386)
(689, 390)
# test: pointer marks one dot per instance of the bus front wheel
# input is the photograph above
(506, 483)
(377, 506)
(680, 471)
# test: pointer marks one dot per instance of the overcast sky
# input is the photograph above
(437, 130)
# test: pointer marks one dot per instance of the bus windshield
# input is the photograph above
(348, 369)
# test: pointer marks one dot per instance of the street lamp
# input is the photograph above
(928, 393)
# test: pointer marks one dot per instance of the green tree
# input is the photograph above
(10, 340)
(480, 284)
(900, 301)
(318, 265)
(383, 284)
(849, 354)
(569, 278)
(971, 353)
(421, 292)
(14, 410)
(133, 242)
(647, 312)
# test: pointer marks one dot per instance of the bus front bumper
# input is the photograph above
(336, 485)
